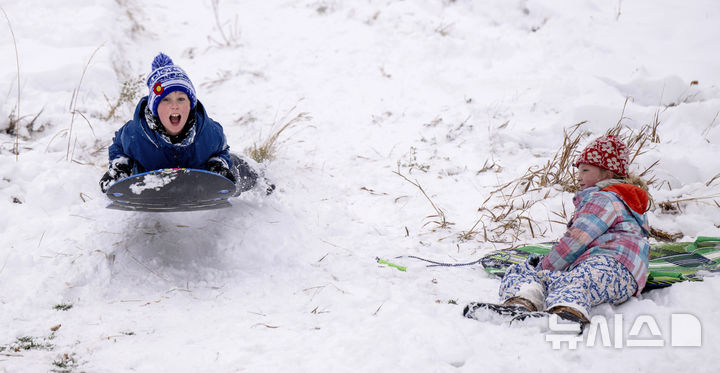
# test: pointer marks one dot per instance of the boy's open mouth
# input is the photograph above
(175, 119)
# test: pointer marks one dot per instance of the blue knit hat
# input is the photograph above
(165, 78)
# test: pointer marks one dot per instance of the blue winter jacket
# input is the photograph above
(147, 149)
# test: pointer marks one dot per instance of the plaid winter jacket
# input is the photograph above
(611, 222)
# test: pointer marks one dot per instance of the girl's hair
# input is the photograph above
(634, 180)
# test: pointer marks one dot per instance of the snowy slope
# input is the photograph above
(434, 90)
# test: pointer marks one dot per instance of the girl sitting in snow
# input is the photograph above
(603, 256)
(170, 129)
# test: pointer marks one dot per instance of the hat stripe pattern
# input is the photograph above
(166, 78)
(606, 152)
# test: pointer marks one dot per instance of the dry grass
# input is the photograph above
(73, 103)
(133, 12)
(716, 177)
(412, 162)
(15, 118)
(637, 141)
(504, 221)
(129, 93)
(560, 171)
(16, 149)
(438, 219)
(267, 149)
(489, 167)
(222, 77)
(444, 29)
(674, 206)
(229, 33)
(661, 235)
(31, 126)
(713, 123)
(556, 171)
(505, 214)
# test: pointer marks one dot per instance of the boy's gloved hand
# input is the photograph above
(116, 172)
(220, 169)
(534, 261)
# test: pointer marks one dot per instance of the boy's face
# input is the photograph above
(589, 175)
(173, 111)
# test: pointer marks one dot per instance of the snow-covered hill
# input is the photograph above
(458, 96)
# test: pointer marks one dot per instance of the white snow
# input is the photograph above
(152, 181)
(437, 90)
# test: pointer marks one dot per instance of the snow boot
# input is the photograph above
(522, 302)
(567, 316)
(493, 312)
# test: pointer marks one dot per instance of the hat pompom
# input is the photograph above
(161, 60)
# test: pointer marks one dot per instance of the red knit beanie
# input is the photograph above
(606, 152)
